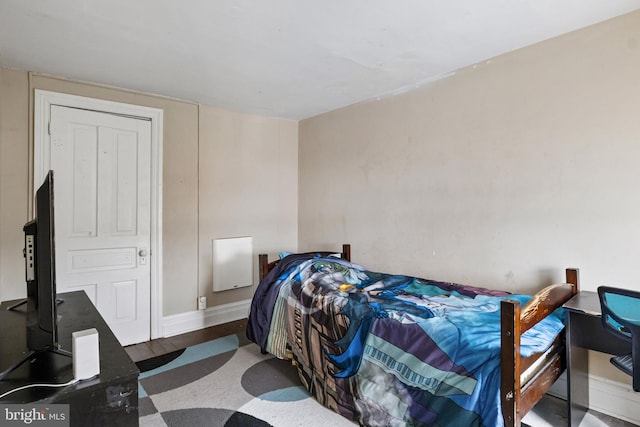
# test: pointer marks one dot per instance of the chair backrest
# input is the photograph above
(621, 316)
(620, 311)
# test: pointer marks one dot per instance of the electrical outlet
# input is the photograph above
(202, 303)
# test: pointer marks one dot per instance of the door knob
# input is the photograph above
(142, 252)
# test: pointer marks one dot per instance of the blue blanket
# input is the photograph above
(397, 350)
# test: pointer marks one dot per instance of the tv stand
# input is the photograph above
(16, 305)
(111, 398)
(32, 354)
(24, 301)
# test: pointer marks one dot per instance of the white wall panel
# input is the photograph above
(232, 263)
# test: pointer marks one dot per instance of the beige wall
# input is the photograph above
(248, 187)
(500, 175)
(14, 153)
(245, 158)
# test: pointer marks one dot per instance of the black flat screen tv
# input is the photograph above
(40, 272)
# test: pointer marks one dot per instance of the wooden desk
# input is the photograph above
(585, 332)
(109, 399)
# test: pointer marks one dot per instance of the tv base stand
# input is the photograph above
(32, 354)
(24, 301)
(111, 398)
(16, 305)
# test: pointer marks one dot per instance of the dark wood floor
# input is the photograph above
(160, 346)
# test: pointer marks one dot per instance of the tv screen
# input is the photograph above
(40, 268)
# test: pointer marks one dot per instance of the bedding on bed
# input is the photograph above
(387, 350)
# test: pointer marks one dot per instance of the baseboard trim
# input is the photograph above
(198, 319)
(609, 397)
(614, 398)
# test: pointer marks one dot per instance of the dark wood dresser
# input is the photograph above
(111, 398)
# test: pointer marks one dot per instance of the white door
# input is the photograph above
(101, 165)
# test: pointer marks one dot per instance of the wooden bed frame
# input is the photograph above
(265, 266)
(523, 381)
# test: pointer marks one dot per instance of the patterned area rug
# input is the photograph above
(227, 382)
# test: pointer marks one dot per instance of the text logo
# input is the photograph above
(34, 415)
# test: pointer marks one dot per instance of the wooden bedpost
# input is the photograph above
(263, 265)
(510, 361)
(573, 278)
(346, 252)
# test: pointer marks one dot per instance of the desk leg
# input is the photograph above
(577, 370)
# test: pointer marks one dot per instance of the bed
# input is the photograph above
(392, 350)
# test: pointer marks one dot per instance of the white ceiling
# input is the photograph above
(284, 58)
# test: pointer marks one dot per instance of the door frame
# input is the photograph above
(42, 159)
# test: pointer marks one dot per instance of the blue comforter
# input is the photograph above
(391, 350)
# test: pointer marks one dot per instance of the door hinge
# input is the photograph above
(49, 128)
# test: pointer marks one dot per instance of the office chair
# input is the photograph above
(621, 317)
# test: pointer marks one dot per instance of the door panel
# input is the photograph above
(102, 207)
